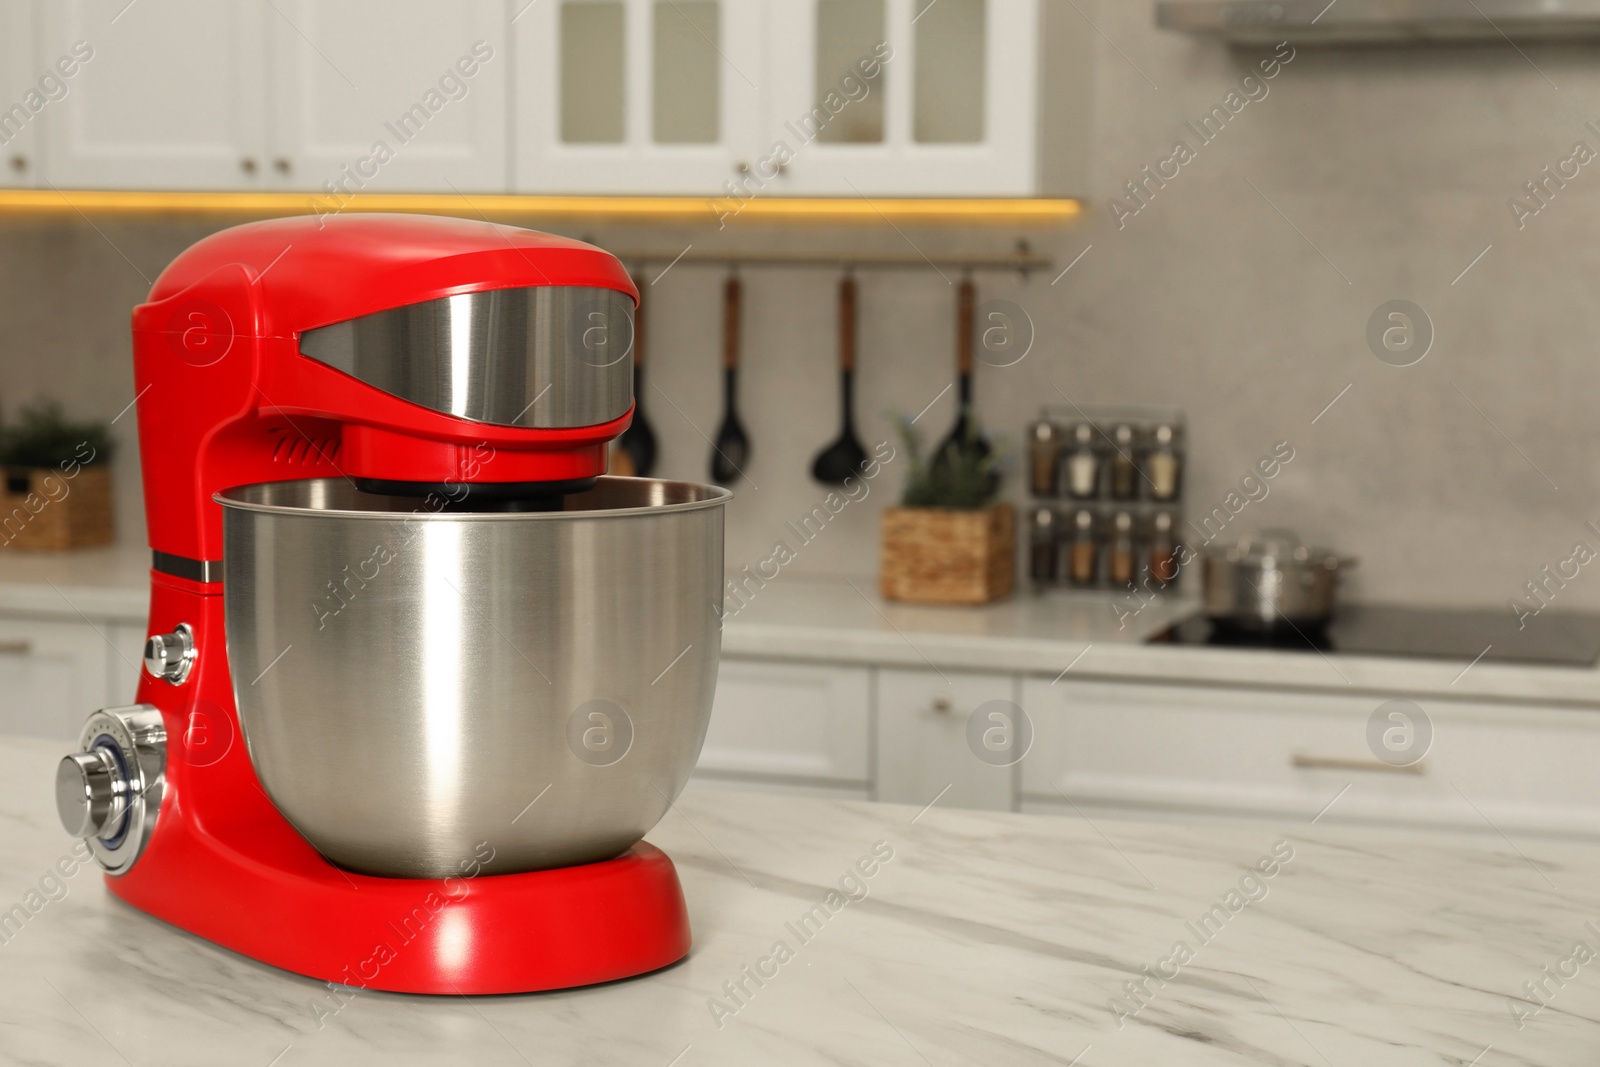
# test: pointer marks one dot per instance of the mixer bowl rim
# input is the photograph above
(714, 496)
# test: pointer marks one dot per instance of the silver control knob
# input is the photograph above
(91, 792)
(109, 791)
(169, 656)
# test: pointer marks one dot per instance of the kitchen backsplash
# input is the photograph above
(1241, 291)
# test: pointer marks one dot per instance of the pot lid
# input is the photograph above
(1273, 547)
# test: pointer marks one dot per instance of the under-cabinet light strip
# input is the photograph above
(674, 209)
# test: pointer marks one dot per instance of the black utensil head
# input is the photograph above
(840, 461)
(639, 442)
(730, 454)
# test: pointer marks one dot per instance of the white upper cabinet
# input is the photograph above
(386, 96)
(166, 95)
(906, 97)
(637, 96)
(805, 97)
(725, 99)
(25, 94)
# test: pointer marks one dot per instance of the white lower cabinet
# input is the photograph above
(52, 675)
(1180, 752)
(797, 726)
(1196, 749)
(949, 736)
(125, 664)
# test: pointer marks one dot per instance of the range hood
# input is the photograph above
(1382, 21)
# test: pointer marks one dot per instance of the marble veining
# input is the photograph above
(983, 938)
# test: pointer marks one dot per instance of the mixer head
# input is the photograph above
(465, 364)
(540, 358)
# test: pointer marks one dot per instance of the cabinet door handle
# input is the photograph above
(16, 648)
(248, 164)
(941, 705)
(282, 165)
(1342, 763)
(19, 163)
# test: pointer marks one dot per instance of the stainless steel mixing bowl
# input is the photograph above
(413, 683)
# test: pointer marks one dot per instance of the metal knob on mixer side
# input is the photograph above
(169, 656)
(109, 791)
(91, 792)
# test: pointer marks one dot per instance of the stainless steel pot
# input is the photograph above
(413, 683)
(1271, 581)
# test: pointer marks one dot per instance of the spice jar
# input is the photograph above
(1042, 566)
(1164, 463)
(1119, 552)
(1163, 563)
(1080, 552)
(1078, 475)
(1124, 476)
(1042, 458)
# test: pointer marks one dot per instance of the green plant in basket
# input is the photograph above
(962, 478)
(41, 436)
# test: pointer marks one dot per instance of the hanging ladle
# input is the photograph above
(731, 450)
(845, 457)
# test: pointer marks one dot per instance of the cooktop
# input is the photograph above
(1569, 639)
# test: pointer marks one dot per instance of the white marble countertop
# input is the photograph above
(987, 939)
(844, 621)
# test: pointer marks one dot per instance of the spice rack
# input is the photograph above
(1106, 484)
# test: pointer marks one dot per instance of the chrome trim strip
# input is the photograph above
(195, 570)
(547, 357)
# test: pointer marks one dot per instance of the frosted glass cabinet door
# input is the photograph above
(171, 97)
(388, 95)
(637, 96)
(905, 97)
(20, 75)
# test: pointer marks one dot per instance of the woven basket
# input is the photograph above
(43, 508)
(945, 556)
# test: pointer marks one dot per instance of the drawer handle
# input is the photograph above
(16, 648)
(941, 705)
(1340, 763)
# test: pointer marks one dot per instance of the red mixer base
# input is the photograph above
(224, 864)
(506, 933)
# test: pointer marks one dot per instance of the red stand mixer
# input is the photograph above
(398, 727)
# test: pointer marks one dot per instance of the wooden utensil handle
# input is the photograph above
(638, 324)
(966, 297)
(847, 324)
(731, 294)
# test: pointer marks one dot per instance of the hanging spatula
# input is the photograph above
(637, 445)
(965, 438)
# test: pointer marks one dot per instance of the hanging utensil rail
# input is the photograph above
(1022, 260)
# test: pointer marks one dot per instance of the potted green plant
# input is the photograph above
(951, 541)
(56, 492)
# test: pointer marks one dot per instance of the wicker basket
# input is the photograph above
(43, 508)
(945, 556)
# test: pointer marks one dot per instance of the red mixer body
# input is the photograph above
(225, 398)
